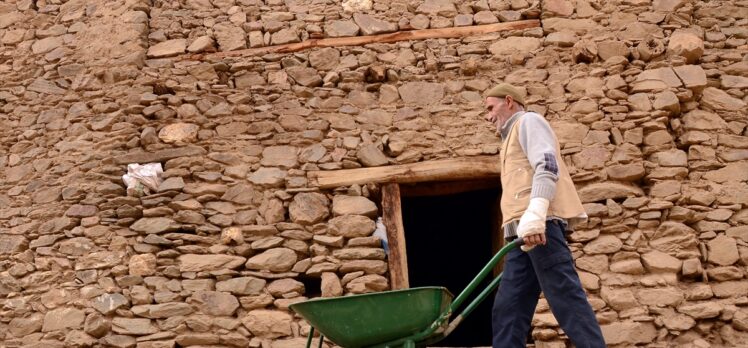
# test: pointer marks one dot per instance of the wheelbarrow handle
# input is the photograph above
(434, 332)
(476, 281)
(485, 271)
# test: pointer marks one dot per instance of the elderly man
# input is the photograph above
(538, 201)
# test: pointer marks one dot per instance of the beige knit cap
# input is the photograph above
(504, 89)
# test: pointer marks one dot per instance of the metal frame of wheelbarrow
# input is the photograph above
(442, 327)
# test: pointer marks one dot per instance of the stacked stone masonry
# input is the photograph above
(648, 98)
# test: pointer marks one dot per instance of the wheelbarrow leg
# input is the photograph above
(321, 338)
(309, 337)
(409, 344)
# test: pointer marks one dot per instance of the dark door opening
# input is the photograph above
(449, 238)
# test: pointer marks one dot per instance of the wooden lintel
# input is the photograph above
(462, 168)
(392, 217)
(452, 32)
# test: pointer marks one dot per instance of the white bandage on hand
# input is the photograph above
(532, 221)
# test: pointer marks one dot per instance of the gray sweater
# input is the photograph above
(538, 142)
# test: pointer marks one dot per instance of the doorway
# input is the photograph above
(451, 232)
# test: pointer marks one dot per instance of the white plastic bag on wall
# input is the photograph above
(381, 232)
(143, 179)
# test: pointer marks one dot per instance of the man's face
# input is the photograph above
(498, 110)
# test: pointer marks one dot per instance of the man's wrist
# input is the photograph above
(543, 189)
(539, 207)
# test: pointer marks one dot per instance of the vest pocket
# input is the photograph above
(522, 192)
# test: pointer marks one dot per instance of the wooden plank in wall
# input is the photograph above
(392, 218)
(463, 168)
(454, 32)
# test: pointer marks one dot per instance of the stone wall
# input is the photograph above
(648, 99)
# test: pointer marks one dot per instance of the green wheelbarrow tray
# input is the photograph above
(371, 319)
(399, 318)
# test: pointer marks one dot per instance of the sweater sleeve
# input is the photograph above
(539, 145)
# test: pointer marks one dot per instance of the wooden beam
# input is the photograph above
(461, 168)
(392, 217)
(452, 32)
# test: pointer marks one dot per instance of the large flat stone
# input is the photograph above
(686, 44)
(723, 251)
(341, 28)
(108, 303)
(275, 260)
(154, 225)
(10, 18)
(665, 76)
(44, 86)
(512, 44)
(421, 93)
(11, 244)
(730, 81)
(703, 120)
(608, 190)
(47, 44)
(163, 310)
(693, 76)
(735, 171)
(370, 156)
(718, 100)
(444, 8)
(22, 326)
(63, 318)
(701, 310)
(133, 326)
(216, 303)
(674, 238)
(207, 263)
(99, 259)
(280, 156)
(230, 37)
(308, 208)
(629, 333)
(160, 156)
(578, 26)
(605, 244)
(268, 323)
(370, 25)
(353, 205)
(242, 285)
(351, 226)
(167, 48)
(657, 261)
(175, 132)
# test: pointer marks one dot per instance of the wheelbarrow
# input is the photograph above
(406, 318)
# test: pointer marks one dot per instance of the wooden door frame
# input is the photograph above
(392, 210)
(437, 177)
(392, 217)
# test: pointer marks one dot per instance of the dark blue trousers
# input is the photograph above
(549, 268)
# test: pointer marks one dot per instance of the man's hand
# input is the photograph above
(531, 227)
(533, 240)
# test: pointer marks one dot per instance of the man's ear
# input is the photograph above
(509, 100)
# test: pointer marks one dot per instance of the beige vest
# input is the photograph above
(516, 183)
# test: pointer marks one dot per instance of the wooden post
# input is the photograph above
(392, 217)
(497, 234)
